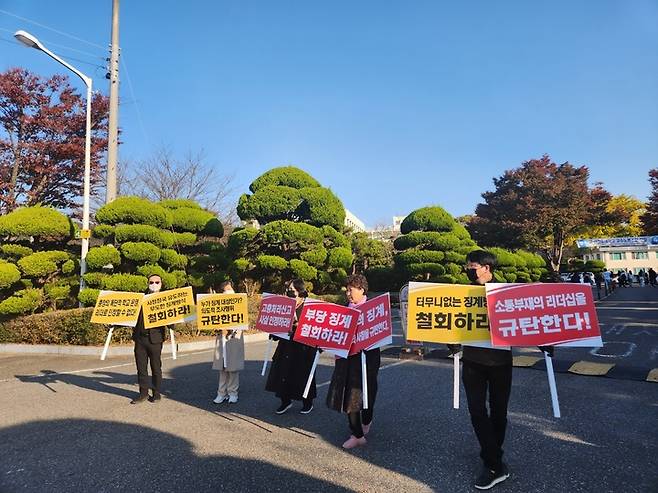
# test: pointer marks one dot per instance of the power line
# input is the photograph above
(63, 47)
(132, 94)
(52, 29)
(86, 62)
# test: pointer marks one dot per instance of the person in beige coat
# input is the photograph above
(231, 342)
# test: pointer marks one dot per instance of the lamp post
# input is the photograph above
(32, 42)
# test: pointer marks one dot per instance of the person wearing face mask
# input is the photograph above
(148, 349)
(487, 369)
(346, 388)
(292, 361)
(229, 367)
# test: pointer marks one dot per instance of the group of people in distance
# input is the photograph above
(486, 373)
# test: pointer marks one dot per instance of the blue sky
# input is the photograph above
(394, 105)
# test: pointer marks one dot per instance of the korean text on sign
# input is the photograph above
(447, 313)
(374, 328)
(327, 326)
(276, 315)
(168, 307)
(222, 311)
(117, 308)
(543, 314)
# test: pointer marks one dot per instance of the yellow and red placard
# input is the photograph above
(327, 326)
(543, 315)
(222, 311)
(117, 308)
(448, 314)
(168, 307)
(276, 315)
(375, 327)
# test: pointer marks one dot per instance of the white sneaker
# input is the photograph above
(232, 399)
(220, 398)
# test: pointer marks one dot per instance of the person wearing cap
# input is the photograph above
(148, 349)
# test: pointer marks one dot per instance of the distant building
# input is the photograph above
(634, 253)
(354, 223)
(388, 233)
(397, 222)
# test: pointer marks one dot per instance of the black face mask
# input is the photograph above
(291, 294)
(472, 275)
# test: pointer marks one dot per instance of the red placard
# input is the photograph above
(542, 314)
(276, 315)
(327, 326)
(375, 327)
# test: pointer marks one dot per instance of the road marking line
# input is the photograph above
(591, 368)
(653, 375)
(525, 361)
(72, 372)
(401, 362)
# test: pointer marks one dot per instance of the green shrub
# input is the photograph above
(68, 267)
(15, 251)
(56, 291)
(42, 264)
(95, 279)
(286, 176)
(176, 203)
(9, 274)
(446, 279)
(510, 277)
(321, 207)
(169, 280)
(241, 265)
(429, 240)
(302, 270)
(429, 268)
(272, 262)
(88, 296)
(144, 232)
(335, 238)
(24, 301)
(420, 256)
(103, 231)
(427, 219)
(173, 259)
(134, 210)
(340, 258)
(214, 228)
(239, 240)
(190, 219)
(339, 276)
(98, 257)
(126, 282)
(140, 252)
(42, 223)
(453, 269)
(287, 232)
(315, 256)
(269, 203)
(183, 239)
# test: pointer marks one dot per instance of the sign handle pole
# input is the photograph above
(455, 381)
(268, 351)
(551, 385)
(364, 379)
(224, 349)
(312, 374)
(107, 343)
(173, 343)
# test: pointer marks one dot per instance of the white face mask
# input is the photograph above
(154, 288)
(229, 291)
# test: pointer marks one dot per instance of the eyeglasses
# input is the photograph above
(154, 282)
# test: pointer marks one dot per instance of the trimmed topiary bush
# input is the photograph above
(271, 262)
(134, 210)
(140, 252)
(42, 223)
(143, 233)
(42, 264)
(9, 274)
(302, 270)
(340, 258)
(126, 282)
(24, 301)
(15, 251)
(172, 259)
(99, 257)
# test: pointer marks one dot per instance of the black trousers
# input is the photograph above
(358, 419)
(489, 426)
(145, 352)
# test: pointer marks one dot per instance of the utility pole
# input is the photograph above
(113, 122)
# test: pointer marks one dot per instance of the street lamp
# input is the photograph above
(32, 42)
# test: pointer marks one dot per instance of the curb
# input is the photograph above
(114, 350)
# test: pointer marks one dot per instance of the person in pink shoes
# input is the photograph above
(346, 388)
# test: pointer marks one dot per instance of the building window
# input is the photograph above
(598, 256)
(640, 255)
(618, 256)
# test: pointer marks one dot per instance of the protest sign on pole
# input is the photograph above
(327, 326)
(374, 327)
(543, 315)
(117, 308)
(222, 311)
(168, 307)
(276, 315)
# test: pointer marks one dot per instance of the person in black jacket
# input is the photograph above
(292, 361)
(148, 348)
(346, 387)
(487, 369)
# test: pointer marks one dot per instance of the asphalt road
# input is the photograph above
(66, 425)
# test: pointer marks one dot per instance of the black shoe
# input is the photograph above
(284, 407)
(306, 408)
(155, 397)
(488, 478)
(140, 399)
